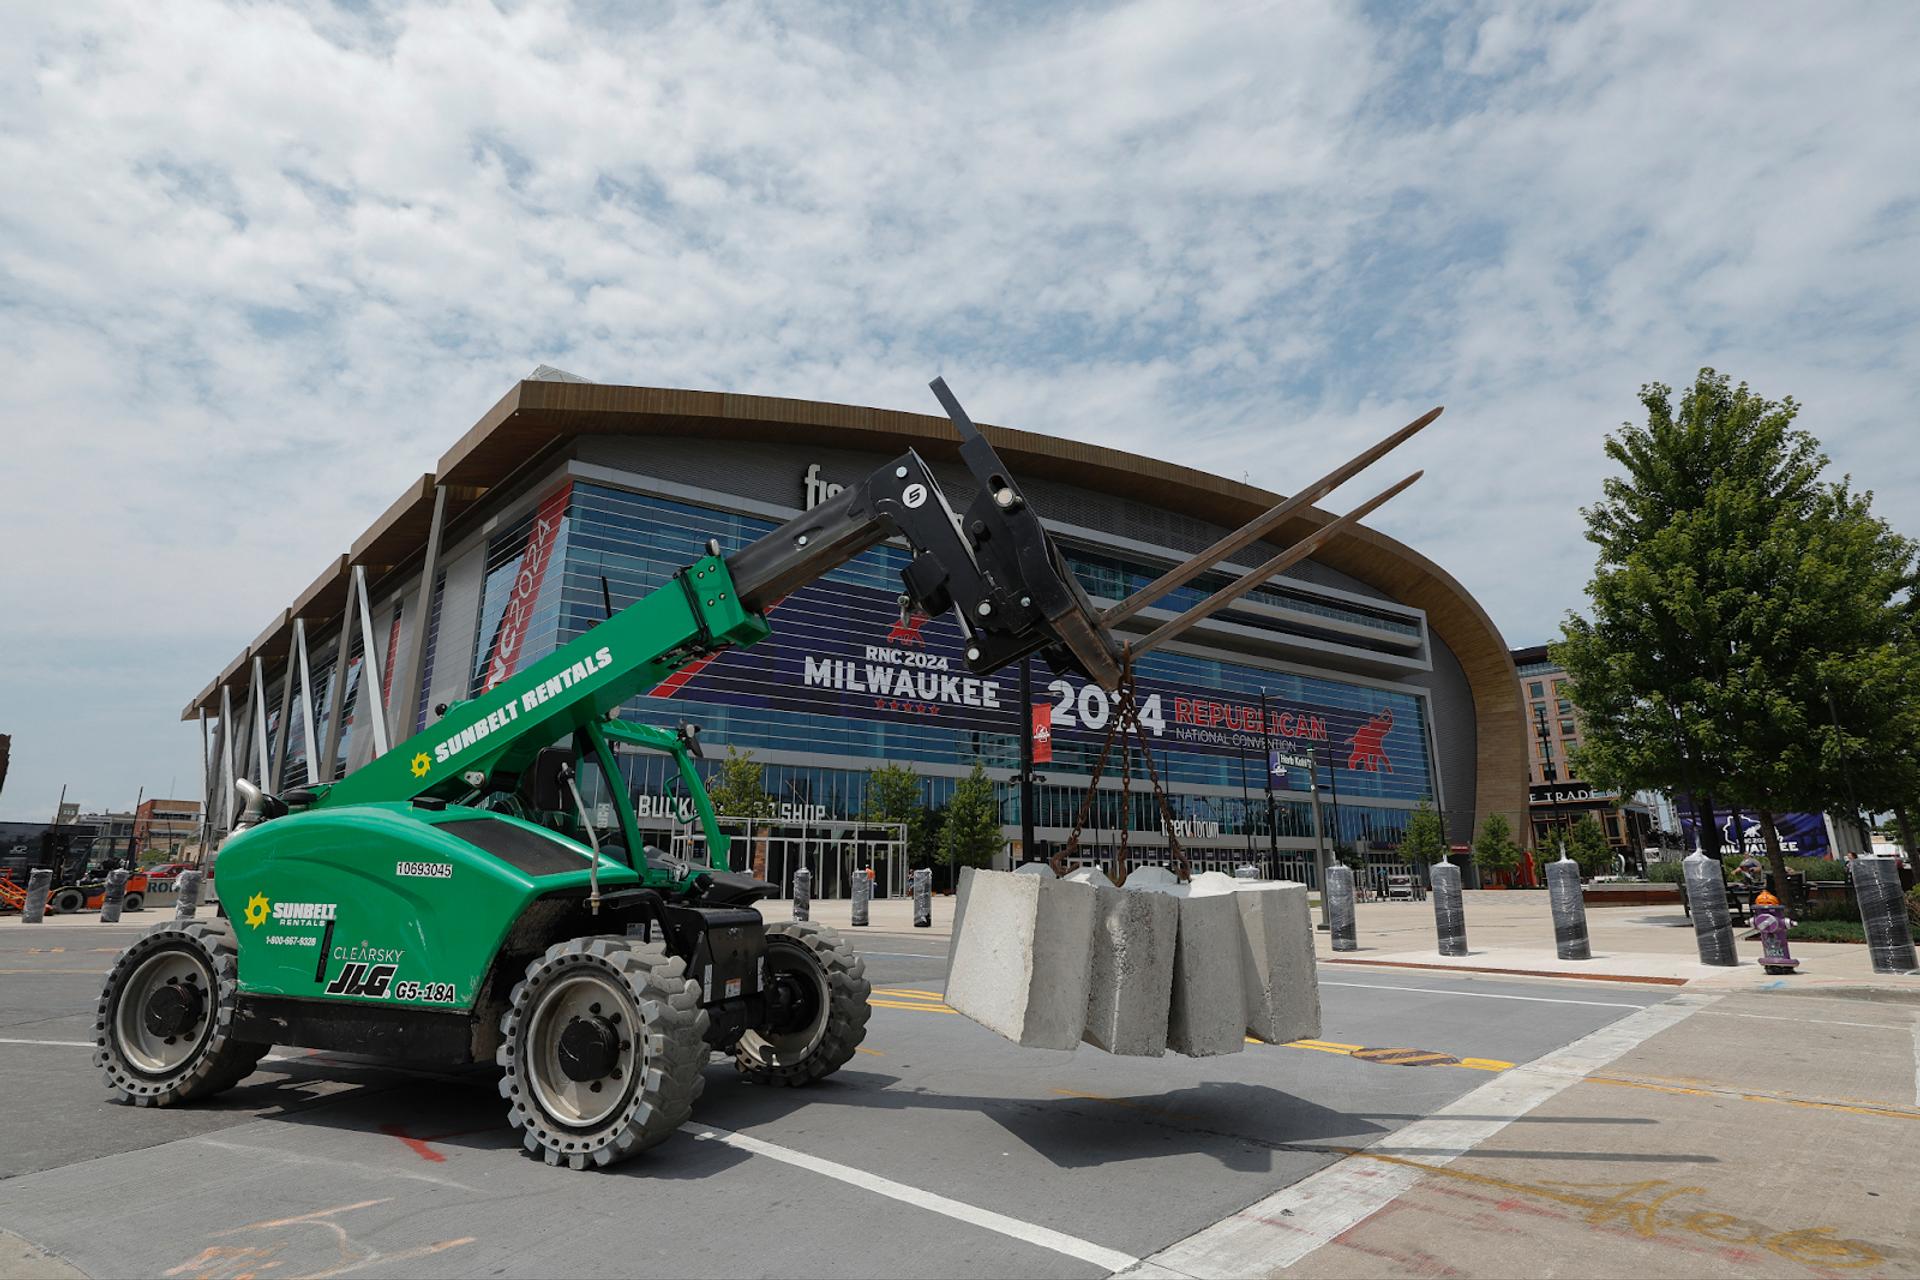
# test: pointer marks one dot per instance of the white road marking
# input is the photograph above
(1485, 995)
(63, 1044)
(1031, 1233)
(1290, 1224)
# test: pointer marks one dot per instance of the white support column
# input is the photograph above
(257, 708)
(370, 665)
(337, 713)
(226, 758)
(206, 781)
(286, 723)
(306, 697)
(407, 697)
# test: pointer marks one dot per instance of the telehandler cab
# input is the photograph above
(453, 900)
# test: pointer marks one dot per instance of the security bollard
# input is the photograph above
(803, 894)
(1340, 908)
(1770, 919)
(186, 889)
(115, 896)
(1246, 871)
(39, 885)
(1569, 909)
(1449, 916)
(862, 895)
(923, 898)
(1883, 910)
(1707, 896)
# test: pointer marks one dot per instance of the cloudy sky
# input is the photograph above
(261, 263)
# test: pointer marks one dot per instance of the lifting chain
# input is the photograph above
(1125, 729)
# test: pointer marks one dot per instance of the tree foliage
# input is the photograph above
(1736, 591)
(1494, 849)
(896, 795)
(740, 790)
(1587, 845)
(970, 836)
(1424, 842)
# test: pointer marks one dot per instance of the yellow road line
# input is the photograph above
(908, 991)
(921, 1008)
(1897, 1113)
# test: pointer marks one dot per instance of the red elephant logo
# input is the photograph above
(907, 630)
(1369, 750)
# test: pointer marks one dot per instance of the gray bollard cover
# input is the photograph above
(803, 894)
(1883, 910)
(115, 896)
(923, 898)
(1449, 915)
(1340, 908)
(39, 885)
(1707, 897)
(1569, 909)
(186, 888)
(862, 894)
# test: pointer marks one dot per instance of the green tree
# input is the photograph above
(896, 795)
(1587, 845)
(970, 836)
(1425, 841)
(740, 790)
(1494, 849)
(1735, 591)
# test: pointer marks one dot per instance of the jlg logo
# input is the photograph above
(362, 980)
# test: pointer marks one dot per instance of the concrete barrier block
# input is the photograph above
(1207, 1013)
(1150, 877)
(1277, 965)
(960, 890)
(1131, 981)
(1089, 875)
(1022, 963)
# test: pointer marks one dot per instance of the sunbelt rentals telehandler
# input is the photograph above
(452, 901)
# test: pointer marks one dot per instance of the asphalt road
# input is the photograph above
(942, 1150)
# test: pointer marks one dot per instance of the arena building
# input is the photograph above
(566, 495)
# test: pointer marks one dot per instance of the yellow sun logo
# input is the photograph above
(421, 764)
(257, 910)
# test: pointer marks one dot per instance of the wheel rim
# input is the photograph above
(798, 964)
(165, 1012)
(601, 1004)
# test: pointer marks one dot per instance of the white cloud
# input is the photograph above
(260, 264)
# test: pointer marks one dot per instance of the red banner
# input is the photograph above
(526, 585)
(1042, 732)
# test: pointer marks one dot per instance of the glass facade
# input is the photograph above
(845, 676)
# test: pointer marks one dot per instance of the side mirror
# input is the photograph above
(546, 792)
(689, 734)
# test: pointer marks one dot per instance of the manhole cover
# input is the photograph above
(1407, 1057)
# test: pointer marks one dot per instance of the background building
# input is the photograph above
(567, 495)
(1557, 795)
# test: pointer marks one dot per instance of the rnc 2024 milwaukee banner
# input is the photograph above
(842, 650)
(1802, 835)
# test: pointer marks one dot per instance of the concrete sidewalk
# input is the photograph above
(1511, 932)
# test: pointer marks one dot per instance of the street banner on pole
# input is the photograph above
(1043, 733)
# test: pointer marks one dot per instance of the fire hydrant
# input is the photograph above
(1770, 919)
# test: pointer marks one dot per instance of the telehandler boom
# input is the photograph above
(454, 900)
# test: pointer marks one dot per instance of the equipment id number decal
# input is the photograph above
(428, 992)
(425, 870)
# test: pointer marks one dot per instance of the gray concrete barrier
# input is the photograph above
(923, 898)
(1883, 911)
(803, 894)
(39, 885)
(1569, 910)
(1449, 914)
(1340, 908)
(862, 895)
(114, 898)
(1707, 898)
(186, 888)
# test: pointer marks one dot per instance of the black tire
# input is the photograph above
(134, 902)
(655, 1076)
(142, 1065)
(827, 1042)
(67, 901)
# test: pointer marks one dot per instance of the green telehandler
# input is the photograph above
(454, 900)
